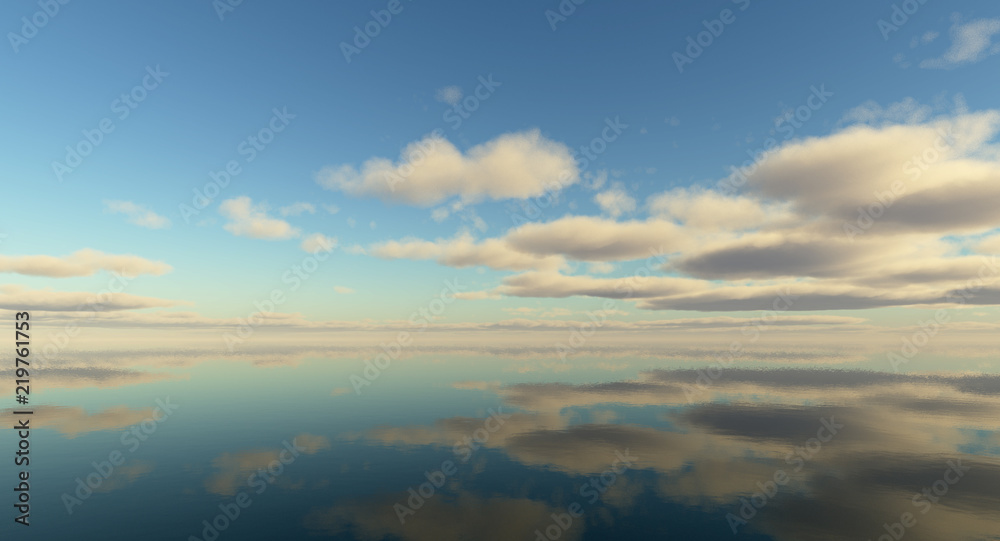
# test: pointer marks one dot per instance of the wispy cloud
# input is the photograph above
(296, 209)
(84, 262)
(318, 242)
(137, 214)
(449, 94)
(970, 43)
(19, 298)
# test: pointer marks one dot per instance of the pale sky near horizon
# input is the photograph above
(543, 165)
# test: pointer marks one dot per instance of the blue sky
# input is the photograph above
(226, 75)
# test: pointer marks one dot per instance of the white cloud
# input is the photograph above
(544, 246)
(555, 285)
(439, 214)
(249, 220)
(947, 170)
(81, 263)
(600, 267)
(296, 209)
(343, 290)
(449, 94)
(990, 245)
(588, 238)
(465, 251)
(477, 295)
(512, 166)
(137, 214)
(318, 242)
(332, 209)
(907, 111)
(615, 201)
(18, 298)
(785, 232)
(706, 209)
(971, 42)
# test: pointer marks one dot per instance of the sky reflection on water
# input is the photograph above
(467, 445)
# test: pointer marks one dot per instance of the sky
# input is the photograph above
(501, 166)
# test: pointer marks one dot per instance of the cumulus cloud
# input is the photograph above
(615, 201)
(784, 233)
(137, 214)
(247, 219)
(84, 262)
(512, 166)
(970, 43)
(930, 188)
(950, 158)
